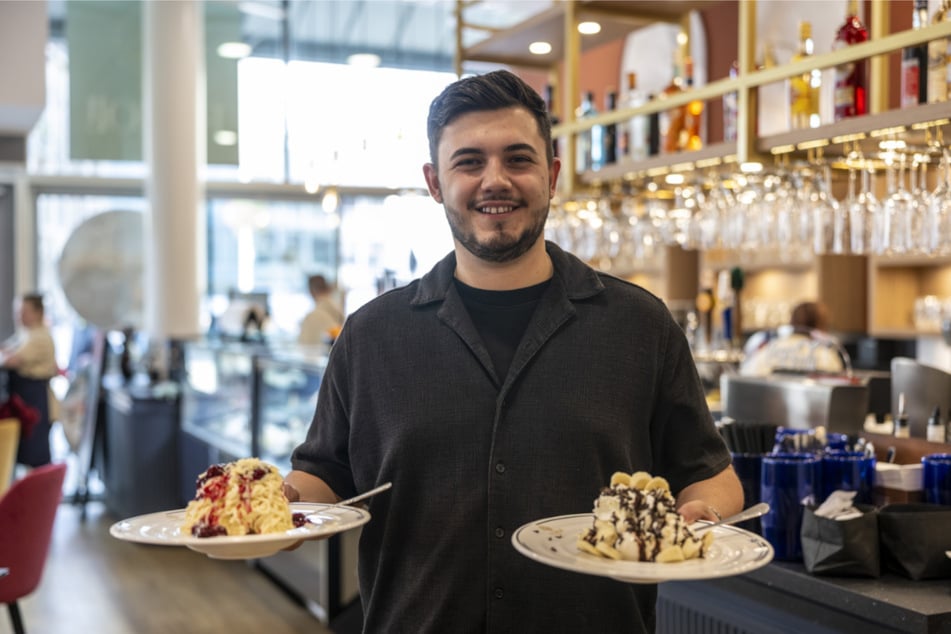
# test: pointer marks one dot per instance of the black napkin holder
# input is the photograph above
(846, 548)
(914, 538)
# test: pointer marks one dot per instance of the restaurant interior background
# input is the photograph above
(310, 151)
(313, 164)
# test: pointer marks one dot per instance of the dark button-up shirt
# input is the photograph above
(602, 381)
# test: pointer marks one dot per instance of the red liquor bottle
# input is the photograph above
(851, 83)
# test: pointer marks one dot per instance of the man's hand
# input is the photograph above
(699, 510)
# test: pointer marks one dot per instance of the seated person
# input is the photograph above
(802, 346)
(30, 359)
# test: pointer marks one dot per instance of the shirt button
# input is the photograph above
(500, 468)
(498, 593)
(499, 532)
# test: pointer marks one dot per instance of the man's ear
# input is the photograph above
(432, 182)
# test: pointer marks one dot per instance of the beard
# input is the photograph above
(500, 246)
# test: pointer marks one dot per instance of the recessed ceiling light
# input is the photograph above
(539, 48)
(226, 137)
(364, 60)
(674, 179)
(234, 50)
(589, 28)
(751, 167)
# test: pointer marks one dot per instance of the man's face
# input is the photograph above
(494, 182)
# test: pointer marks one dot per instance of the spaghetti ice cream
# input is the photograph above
(245, 497)
(636, 519)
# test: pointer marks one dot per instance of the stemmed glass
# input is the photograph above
(937, 234)
(863, 208)
(829, 231)
(897, 210)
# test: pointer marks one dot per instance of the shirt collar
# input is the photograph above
(579, 280)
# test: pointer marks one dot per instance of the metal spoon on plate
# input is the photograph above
(747, 514)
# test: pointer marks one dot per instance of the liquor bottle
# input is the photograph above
(902, 427)
(690, 137)
(588, 141)
(609, 139)
(653, 131)
(934, 428)
(731, 107)
(637, 127)
(550, 106)
(672, 119)
(851, 87)
(804, 88)
(914, 62)
(939, 59)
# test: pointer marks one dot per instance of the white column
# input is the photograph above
(174, 147)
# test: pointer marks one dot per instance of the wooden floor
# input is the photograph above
(94, 583)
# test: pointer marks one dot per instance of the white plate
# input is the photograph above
(164, 529)
(551, 541)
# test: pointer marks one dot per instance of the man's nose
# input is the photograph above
(495, 176)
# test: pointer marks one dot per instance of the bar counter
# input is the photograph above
(783, 597)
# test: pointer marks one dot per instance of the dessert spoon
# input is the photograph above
(747, 514)
(364, 495)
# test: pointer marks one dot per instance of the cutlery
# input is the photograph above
(364, 495)
(747, 514)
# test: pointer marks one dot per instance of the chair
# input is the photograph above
(27, 511)
(9, 440)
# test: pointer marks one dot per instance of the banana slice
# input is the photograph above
(608, 550)
(691, 548)
(657, 482)
(585, 546)
(639, 480)
(670, 555)
(621, 478)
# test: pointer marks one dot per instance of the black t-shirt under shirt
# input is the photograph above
(501, 318)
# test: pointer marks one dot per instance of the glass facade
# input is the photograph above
(304, 128)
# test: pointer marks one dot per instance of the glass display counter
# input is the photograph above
(241, 400)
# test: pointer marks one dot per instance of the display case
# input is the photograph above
(241, 400)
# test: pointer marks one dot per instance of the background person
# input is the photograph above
(324, 320)
(29, 357)
(804, 345)
(504, 386)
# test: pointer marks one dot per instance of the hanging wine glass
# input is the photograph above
(896, 208)
(825, 214)
(937, 234)
(865, 213)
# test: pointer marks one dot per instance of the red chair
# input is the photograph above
(27, 511)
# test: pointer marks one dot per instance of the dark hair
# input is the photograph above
(491, 91)
(810, 316)
(317, 284)
(35, 300)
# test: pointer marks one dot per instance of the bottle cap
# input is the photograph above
(935, 416)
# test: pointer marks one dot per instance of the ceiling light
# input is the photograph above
(364, 60)
(226, 137)
(674, 179)
(751, 167)
(261, 10)
(330, 200)
(589, 28)
(539, 48)
(234, 50)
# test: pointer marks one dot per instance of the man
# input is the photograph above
(30, 358)
(505, 386)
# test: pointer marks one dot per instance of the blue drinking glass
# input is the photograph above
(848, 471)
(788, 480)
(936, 478)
